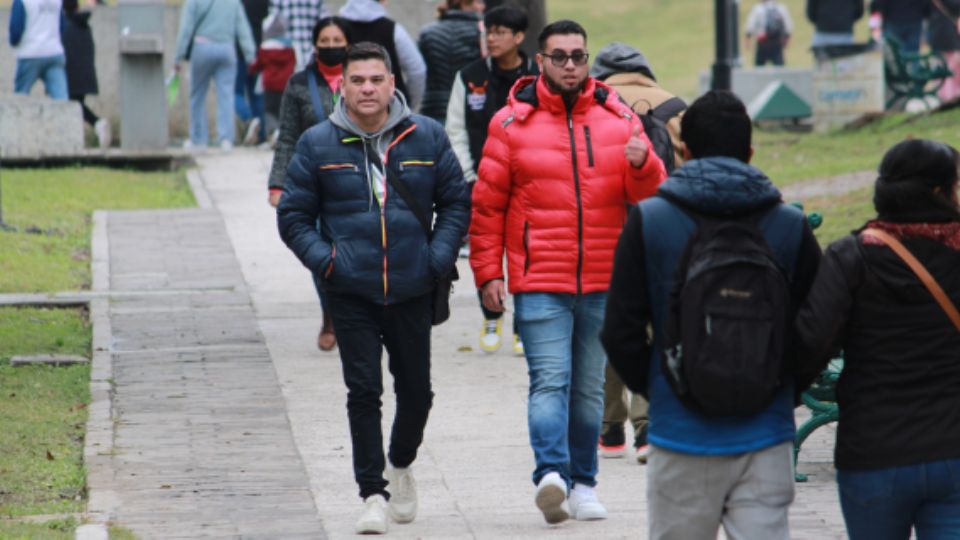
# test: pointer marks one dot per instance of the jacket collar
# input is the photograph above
(531, 93)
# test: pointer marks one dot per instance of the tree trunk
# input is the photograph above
(536, 13)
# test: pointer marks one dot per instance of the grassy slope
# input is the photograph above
(676, 35)
(62, 201)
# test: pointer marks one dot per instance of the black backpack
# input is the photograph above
(724, 332)
(775, 28)
(655, 126)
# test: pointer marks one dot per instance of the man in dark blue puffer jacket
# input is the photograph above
(378, 263)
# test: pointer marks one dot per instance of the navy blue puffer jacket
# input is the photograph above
(384, 257)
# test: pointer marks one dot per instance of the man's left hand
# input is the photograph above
(636, 149)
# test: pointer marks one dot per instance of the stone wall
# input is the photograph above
(413, 14)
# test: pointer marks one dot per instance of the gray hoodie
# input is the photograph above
(412, 67)
(398, 111)
(620, 58)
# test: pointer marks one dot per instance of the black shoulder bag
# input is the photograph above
(444, 285)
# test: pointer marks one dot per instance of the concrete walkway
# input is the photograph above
(474, 467)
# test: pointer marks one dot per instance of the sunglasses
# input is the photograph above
(559, 59)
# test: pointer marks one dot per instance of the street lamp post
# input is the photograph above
(725, 44)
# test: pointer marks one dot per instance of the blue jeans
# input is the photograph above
(883, 504)
(561, 340)
(217, 62)
(247, 103)
(907, 34)
(53, 71)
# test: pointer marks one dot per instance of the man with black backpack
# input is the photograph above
(770, 24)
(717, 264)
(627, 71)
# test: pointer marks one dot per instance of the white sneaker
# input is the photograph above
(403, 494)
(490, 335)
(584, 505)
(551, 498)
(194, 148)
(102, 129)
(226, 146)
(373, 520)
(253, 132)
(642, 453)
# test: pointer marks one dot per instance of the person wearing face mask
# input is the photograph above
(309, 99)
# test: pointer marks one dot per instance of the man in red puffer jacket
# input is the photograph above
(561, 162)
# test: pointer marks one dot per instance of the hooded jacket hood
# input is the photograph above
(363, 10)
(620, 58)
(720, 186)
(398, 111)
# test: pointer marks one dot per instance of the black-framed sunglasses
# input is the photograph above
(559, 59)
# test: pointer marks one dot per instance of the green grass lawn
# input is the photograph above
(677, 35)
(841, 213)
(60, 202)
(43, 409)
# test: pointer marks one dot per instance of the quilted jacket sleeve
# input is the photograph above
(299, 209)
(491, 198)
(452, 206)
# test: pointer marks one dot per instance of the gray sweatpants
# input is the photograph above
(690, 496)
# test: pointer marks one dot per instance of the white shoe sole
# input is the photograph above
(551, 501)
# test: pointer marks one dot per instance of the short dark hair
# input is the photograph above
(367, 50)
(717, 124)
(561, 27)
(341, 23)
(508, 17)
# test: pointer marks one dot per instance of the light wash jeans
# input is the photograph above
(216, 61)
(565, 360)
(53, 71)
(885, 504)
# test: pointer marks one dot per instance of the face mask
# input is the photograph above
(331, 56)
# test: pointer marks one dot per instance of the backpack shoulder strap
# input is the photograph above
(668, 109)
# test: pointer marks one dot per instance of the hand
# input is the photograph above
(636, 150)
(274, 198)
(176, 67)
(494, 295)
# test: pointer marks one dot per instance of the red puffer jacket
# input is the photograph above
(553, 189)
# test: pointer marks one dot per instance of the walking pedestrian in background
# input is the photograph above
(35, 35)
(943, 33)
(81, 70)
(770, 26)
(300, 17)
(833, 20)
(479, 90)
(276, 61)
(209, 32)
(376, 176)
(898, 439)
(370, 22)
(447, 45)
(248, 101)
(556, 209)
(903, 21)
(309, 99)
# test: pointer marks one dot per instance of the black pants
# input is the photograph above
(88, 115)
(769, 52)
(363, 330)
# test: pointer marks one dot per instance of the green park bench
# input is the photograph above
(912, 75)
(821, 399)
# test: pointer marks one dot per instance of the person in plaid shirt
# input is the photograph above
(300, 16)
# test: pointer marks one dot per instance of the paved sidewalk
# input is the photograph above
(474, 467)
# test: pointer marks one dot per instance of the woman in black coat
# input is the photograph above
(79, 49)
(898, 438)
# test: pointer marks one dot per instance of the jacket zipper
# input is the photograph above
(576, 184)
(586, 134)
(383, 207)
(526, 247)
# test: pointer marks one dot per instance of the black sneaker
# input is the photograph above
(613, 442)
(641, 448)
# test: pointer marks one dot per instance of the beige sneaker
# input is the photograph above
(373, 520)
(403, 494)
